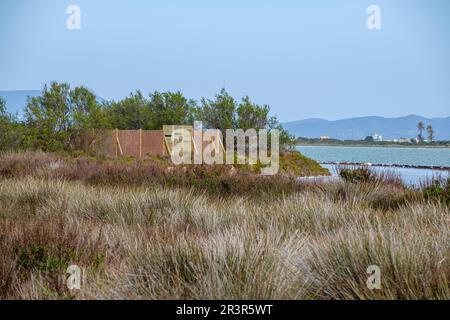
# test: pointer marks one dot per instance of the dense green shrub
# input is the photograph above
(42, 257)
(356, 175)
(438, 189)
(11, 131)
(367, 175)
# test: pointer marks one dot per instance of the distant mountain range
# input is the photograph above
(359, 128)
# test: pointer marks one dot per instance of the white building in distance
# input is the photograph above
(377, 138)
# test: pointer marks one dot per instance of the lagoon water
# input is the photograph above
(379, 155)
(386, 156)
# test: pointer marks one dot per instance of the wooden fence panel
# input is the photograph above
(153, 143)
(129, 142)
(135, 143)
(139, 143)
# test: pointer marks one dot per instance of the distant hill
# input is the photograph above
(359, 128)
(17, 100)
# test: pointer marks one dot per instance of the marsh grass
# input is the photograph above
(153, 241)
(216, 180)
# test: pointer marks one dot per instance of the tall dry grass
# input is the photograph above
(156, 242)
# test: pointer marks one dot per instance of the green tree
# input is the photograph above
(250, 115)
(10, 129)
(49, 118)
(287, 140)
(3, 111)
(87, 112)
(430, 132)
(171, 108)
(133, 112)
(56, 119)
(421, 128)
(220, 112)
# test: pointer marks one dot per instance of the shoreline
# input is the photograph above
(405, 166)
(370, 146)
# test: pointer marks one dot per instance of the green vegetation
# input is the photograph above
(430, 132)
(11, 136)
(438, 189)
(215, 180)
(147, 240)
(363, 174)
(356, 175)
(421, 128)
(295, 164)
(150, 230)
(55, 120)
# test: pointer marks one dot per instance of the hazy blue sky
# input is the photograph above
(305, 59)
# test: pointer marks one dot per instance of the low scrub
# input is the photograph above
(154, 242)
(365, 174)
(295, 164)
(141, 231)
(390, 190)
(216, 180)
(437, 189)
(36, 252)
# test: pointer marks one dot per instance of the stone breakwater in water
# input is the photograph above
(367, 164)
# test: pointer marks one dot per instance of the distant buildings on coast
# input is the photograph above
(379, 138)
(406, 140)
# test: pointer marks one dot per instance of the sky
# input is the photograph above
(306, 59)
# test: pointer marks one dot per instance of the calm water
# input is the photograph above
(388, 156)
(379, 155)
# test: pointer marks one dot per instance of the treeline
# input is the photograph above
(54, 120)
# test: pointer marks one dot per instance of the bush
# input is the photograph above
(41, 257)
(296, 164)
(358, 175)
(367, 175)
(438, 190)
